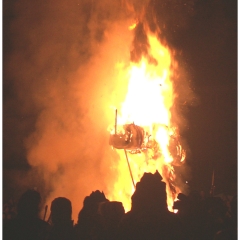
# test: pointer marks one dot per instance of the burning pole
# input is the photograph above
(122, 141)
(129, 168)
(212, 185)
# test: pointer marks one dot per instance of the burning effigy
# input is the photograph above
(132, 139)
(144, 127)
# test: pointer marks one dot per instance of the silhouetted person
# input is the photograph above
(27, 225)
(192, 214)
(61, 220)
(112, 213)
(149, 217)
(203, 218)
(90, 223)
(216, 216)
(230, 231)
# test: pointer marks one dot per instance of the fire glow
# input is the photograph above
(148, 104)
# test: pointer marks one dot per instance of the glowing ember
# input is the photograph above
(148, 104)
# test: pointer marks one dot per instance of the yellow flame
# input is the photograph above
(148, 103)
(131, 27)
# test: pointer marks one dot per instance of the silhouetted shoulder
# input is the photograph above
(22, 229)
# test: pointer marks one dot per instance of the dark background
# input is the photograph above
(208, 42)
(211, 53)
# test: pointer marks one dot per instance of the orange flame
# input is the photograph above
(148, 103)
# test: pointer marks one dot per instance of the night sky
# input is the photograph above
(42, 41)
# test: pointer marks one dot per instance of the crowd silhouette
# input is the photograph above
(197, 217)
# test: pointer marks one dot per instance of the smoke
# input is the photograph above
(61, 67)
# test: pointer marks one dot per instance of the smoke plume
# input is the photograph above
(61, 65)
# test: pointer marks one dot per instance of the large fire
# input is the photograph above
(148, 105)
(104, 55)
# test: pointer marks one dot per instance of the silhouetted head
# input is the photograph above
(195, 195)
(97, 197)
(90, 204)
(61, 211)
(29, 204)
(150, 193)
(94, 199)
